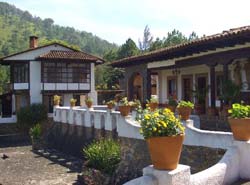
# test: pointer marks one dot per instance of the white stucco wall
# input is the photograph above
(21, 86)
(194, 71)
(35, 80)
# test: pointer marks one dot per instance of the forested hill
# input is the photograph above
(16, 26)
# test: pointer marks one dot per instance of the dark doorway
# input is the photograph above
(6, 104)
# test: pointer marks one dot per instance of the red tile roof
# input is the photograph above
(226, 38)
(69, 55)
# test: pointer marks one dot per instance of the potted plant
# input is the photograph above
(239, 121)
(172, 103)
(110, 104)
(89, 102)
(229, 94)
(200, 94)
(72, 102)
(184, 109)
(35, 134)
(124, 106)
(56, 99)
(164, 134)
(153, 103)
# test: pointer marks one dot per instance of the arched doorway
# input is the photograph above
(136, 87)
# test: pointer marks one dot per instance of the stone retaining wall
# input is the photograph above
(72, 138)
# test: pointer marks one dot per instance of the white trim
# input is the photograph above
(21, 86)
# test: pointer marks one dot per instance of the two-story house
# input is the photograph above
(37, 74)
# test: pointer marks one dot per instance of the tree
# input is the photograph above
(173, 38)
(146, 42)
(128, 49)
(157, 44)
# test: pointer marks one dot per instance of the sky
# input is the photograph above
(118, 20)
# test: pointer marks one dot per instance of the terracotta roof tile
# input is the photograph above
(212, 40)
(68, 55)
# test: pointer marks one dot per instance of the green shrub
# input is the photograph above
(239, 111)
(35, 132)
(103, 155)
(28, 116)
(183, 103)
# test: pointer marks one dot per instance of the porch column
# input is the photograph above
(225, 71)
(212, 84)
(148, 86)
(243, 76)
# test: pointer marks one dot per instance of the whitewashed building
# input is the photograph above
(178, 70)
(37, 74)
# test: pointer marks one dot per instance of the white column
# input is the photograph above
(93, 93)
(179, 87)
(243, 76)
(35, 82)
(209, 92)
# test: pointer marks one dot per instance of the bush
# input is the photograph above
(28, 116)
(35, 132)
(103, 155)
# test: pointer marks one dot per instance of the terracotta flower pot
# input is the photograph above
(153, 106)
(89, 104)
(184, 112)
(72, 104)
(165, 151)
(56, 102)
(110, 106)
(240, 128)
(124, 110)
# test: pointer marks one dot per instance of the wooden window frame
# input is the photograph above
(176, 84)
(182, 85)
(21, 73)
(58, 72)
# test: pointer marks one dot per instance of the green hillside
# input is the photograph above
(16, 26)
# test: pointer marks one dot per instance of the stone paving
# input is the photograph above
(24, 167)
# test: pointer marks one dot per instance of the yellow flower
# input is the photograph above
(154, 129)
(147, 116)
(156, 114)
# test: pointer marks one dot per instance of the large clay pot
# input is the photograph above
(165, 151)
(56, 102)
(89, 104)
(72, 104)
(240, 128)
(184, 112)
(110, 105)
(124, 110)
(153, 106)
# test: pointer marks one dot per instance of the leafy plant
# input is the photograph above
(28, 116)
(183, 103)
(200, 94)
(111, 102)
(103, 155)
(153, 99)
(239, 111)
(56, 98)
(72, 100)
(229, 91)
(35, 132)
(124, 102)
(88, 100)
(159, 123)
(172, 101)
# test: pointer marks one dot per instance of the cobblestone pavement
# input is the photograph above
(24, 167)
